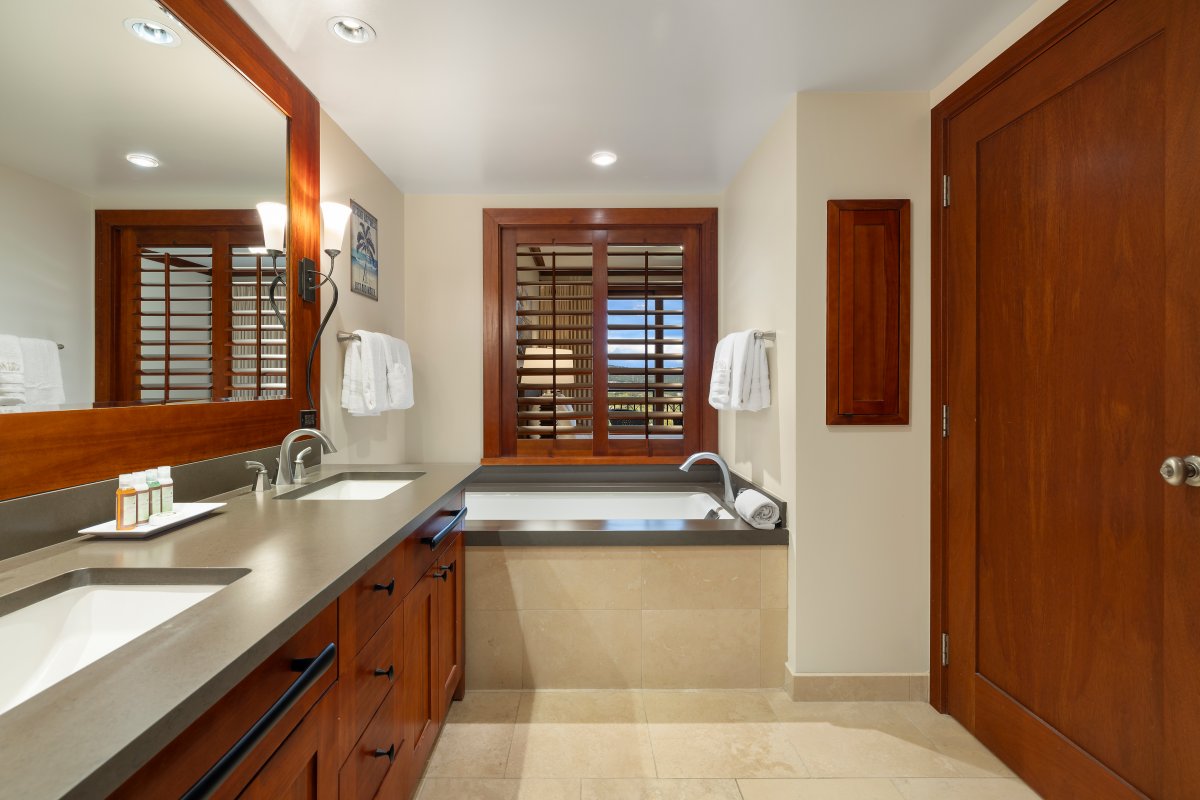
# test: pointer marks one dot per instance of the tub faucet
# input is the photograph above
(720, 462)
(284, 478)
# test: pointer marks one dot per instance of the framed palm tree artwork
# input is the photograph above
(364, 252)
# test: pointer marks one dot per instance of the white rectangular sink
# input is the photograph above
(355, 490)
(52, 638)
(353, 486)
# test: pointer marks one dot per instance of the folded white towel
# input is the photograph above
(740, 378)
(399, 373)
(719, 387)
(757, 509)
(352, 380)
(12, 371)
(43, 373)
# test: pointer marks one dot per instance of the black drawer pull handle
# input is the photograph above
(311, 669)
(441, 573)
(448, 567)
(390, 672)
(436, 539)
(390, 753)
(388, 587)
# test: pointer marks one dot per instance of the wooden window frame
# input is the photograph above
(44, 451)
(496, 221)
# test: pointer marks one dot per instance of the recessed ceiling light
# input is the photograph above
(142, 160)
(604, 158)
(352, 29)
(153, 32)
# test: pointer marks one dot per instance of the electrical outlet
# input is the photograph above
(308, 418)
(307, 284)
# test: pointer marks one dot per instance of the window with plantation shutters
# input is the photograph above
(600, 331)
(195, 320)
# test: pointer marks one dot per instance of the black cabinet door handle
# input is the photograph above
(311, 669)
(448, 567)
(388, 587)
(436, 539)
(441, 573)
(390, 753)
(390, 672)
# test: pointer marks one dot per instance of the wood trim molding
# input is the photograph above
(52, 450)
(1044, 35)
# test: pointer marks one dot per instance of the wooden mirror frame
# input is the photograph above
(41, 451)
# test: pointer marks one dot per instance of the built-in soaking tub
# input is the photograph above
(606, 514)
(638, 581)
(595, 504)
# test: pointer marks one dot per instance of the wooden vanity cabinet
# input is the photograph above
(448, 571)
(366, 728)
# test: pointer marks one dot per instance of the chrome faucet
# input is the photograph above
(720, 462)
(284, 478)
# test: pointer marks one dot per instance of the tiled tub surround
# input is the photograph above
(678, 617)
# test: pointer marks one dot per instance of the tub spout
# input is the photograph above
(720, 462)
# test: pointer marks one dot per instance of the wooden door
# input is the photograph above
(449, 570)
(1070, 353)
(305, 765)
(422, 690)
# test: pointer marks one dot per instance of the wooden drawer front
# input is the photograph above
(367, 679)
(181, 763)
(364, 607)
(381, 744)
(416, 554)
(305, 765)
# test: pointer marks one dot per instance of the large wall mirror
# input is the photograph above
(117, 107)
(138, 138)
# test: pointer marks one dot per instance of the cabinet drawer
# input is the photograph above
(369, 761)
(367, 678)
(416, 554)
(182, 762)
(364, 607)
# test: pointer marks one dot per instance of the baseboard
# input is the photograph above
(810, 687)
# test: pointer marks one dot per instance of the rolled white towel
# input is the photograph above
(757, 509)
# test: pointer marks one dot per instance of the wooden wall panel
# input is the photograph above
(867, 323)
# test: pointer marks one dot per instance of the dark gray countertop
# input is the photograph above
(84, 736)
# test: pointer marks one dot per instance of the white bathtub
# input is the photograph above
(568, 505)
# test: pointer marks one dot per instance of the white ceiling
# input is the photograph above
(514, 95)
(78, 92)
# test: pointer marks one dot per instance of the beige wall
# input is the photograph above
(999, 43)
(346, 174)
(443, 259)
(858, 497)
(47, 257)
(861, 516)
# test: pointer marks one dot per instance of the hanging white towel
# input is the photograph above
(720, 386)
(352, 380)
(374, 370)
(43, 373)
(757, 509)
(740, 379)
(399, 373)
(12, 371)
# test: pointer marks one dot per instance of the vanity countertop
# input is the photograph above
(84, 736)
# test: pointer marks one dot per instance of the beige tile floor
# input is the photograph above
(706, 745)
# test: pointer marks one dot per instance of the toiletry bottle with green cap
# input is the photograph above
(168, 490)
(155, 492)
